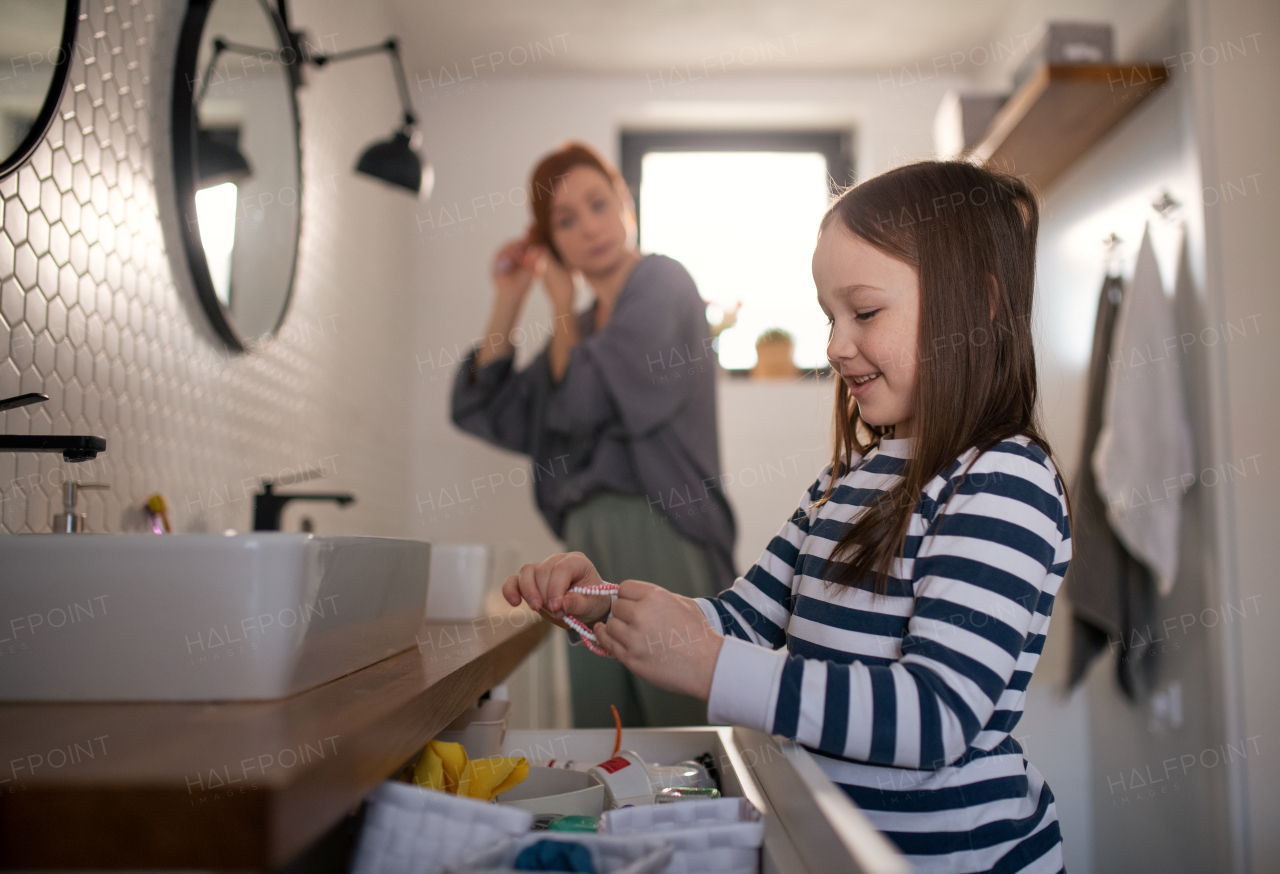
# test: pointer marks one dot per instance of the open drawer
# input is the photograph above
(811, 827)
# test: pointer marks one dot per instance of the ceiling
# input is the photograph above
(651, 37)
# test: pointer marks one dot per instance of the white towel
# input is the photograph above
(1143, 460)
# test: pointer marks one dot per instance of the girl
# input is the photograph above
(610, 423)
(892, 625)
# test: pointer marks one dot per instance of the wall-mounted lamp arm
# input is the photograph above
(220, 45)
(392, 47)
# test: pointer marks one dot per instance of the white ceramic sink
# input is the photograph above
(463, 575)
(200, 617)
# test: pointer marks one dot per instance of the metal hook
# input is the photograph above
(1112, 243)
(1166, 205)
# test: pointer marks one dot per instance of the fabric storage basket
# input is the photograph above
(411, 830)
(720, 835)
(610, 854)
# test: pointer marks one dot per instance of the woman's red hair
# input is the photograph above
(549, 173)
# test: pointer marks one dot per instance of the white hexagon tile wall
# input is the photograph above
(90, 316)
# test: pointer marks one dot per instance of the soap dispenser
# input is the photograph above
(69, 521)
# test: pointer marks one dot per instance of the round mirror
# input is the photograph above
(237, 164)
(36, 41)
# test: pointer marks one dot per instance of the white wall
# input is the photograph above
(1238, 124)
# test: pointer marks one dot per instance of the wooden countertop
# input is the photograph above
(234, 785)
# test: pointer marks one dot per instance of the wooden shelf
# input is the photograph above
(1060, 112)
(219, 786)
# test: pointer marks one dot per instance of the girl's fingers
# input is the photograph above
(624, 610)
(612, 646)
(634, 590)
(574, 604)
(542, 575)
(529, 586)
(511, 590)
(585, 607)
(553, 618)
(572, 569)
(621, 632)
(545, 586)
(561, 577)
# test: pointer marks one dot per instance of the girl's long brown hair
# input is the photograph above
(970, 234)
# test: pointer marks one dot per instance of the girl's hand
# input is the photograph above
(543, 587)
(514, 266)
(662, 637)
(558, 281)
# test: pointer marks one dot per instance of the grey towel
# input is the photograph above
(1112, 593)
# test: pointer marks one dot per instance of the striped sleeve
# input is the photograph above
(758, 605)
(996, 537)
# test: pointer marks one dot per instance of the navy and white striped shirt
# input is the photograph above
(907, 699)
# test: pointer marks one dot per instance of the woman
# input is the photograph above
(618, 412)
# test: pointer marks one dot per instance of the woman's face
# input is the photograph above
(873, 304)
(590, 224)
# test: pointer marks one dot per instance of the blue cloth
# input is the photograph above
(555, 856)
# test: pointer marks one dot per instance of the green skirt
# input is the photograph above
(625, 541)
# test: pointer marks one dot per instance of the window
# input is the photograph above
(741, 212)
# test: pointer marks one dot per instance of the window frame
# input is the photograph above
(835, 144)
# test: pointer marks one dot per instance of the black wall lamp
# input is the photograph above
(396, 160)
(218, 155)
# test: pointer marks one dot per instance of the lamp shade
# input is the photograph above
(219, 159)
(395, 162)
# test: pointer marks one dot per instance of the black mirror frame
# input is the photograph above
(52, 97)
(185, 83)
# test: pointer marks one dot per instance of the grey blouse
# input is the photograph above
(635, 412)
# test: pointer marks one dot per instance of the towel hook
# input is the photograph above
(1112, 243)
(1167, 205)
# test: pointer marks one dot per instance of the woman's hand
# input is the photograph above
(559, 284)
(514, 266)
(558, 281)
(662, 637)
(513, 270)
(543, 587)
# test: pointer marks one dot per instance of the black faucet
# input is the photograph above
(267, 505)
(72, 448)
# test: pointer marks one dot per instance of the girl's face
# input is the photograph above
(590, 224)
(873, 304)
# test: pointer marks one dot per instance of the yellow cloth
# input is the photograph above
(444, 766)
